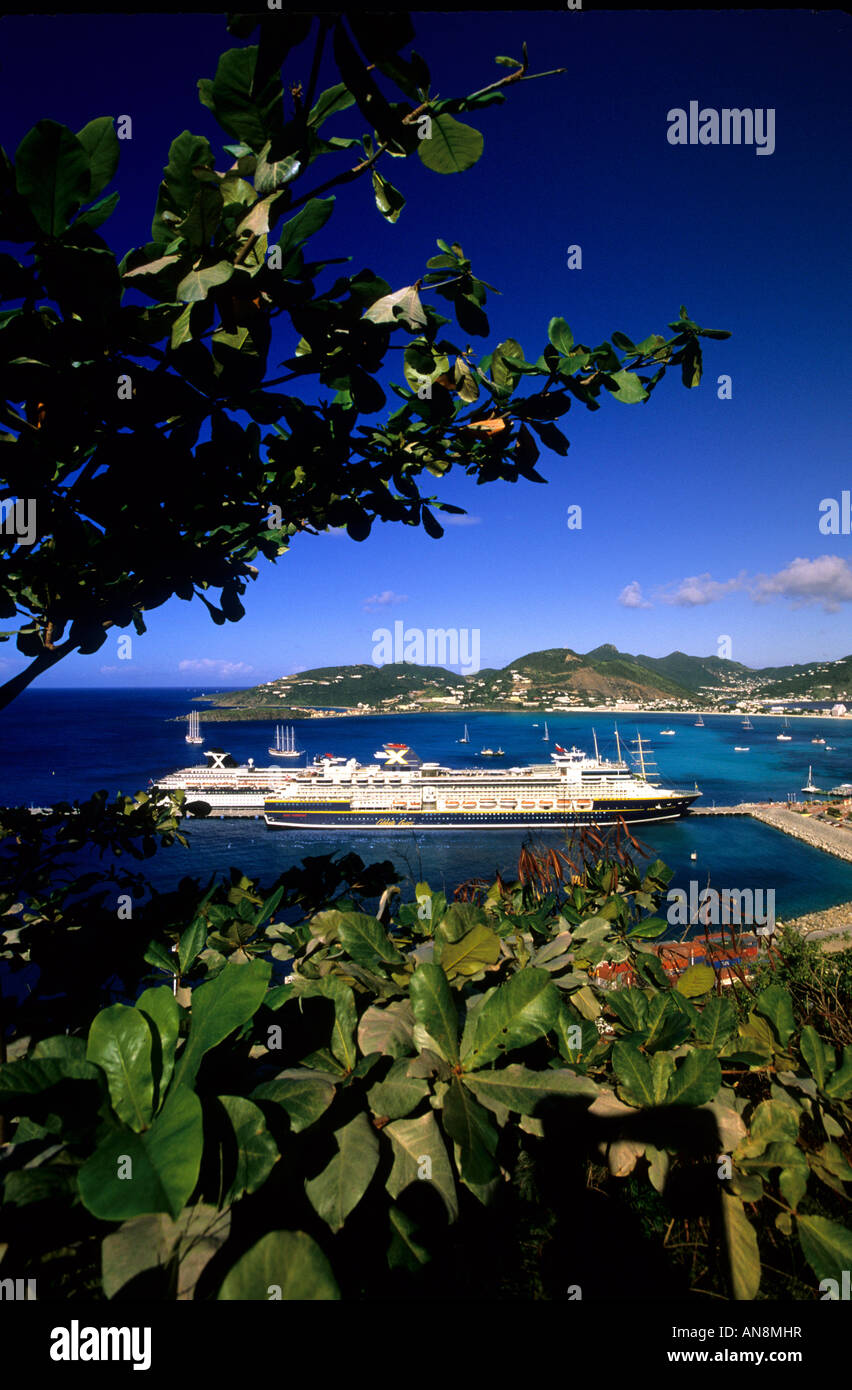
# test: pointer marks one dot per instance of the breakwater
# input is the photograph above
(802, 825)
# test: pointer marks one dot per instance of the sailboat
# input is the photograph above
(809, 785)
(747, 724)
(546, 735)
(285, 744)
(466, 738)
(699, 723)
(784, 738)
(192, 734)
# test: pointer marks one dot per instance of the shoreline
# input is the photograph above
(221, 714)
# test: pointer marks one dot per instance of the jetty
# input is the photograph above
(802, 824)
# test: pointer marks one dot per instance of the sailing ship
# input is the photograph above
(285, 744)
(784, 738)
(809, 785)
(192, 734)
(466, 738)
(398, 791)
(546, 735)
(699, 723)
(747, 724)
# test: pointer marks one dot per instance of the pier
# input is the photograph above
(832, 839)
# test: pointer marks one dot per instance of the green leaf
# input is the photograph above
(471, 1129)
(696, 980)
(826, 1246)
(257, 1151)
(343, 1031)
(341, 1185)
(30, 1076)
(697, 1078)
(404, 1251)
(52, 175)
(420, 1155)
(469, 955)
(152, 1242)
(435, 1012)
(162, 1011)
(309, 219)
(634, 1074)
(285, 1263)
(389, 200)
(819, 1058)
(218, 1008)
(388, 1029)
(775, 1004)
(743, 1252)
(100, 142)
(98, 213)
(520, 1089)
(560, 335)
(649, 928)
(772, 1120)
(303, 1093)
(839, 1086)
(198, 283)
(194, 939)
(270, 175)
(717, 1022)
(366, 941)
(251, 113)
(452, 147)
(120, 1043)
(328, 103)
(518, 1012)
(132, 1174)
(399, 1093)
(630, 388)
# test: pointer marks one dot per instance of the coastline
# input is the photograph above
(221, 714)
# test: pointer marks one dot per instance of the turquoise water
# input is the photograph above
(67, 744)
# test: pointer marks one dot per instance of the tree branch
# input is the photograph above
(39, 664)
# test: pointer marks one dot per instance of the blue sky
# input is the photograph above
(700, 516)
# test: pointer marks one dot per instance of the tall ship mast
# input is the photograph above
(192, 734)
(285, 744)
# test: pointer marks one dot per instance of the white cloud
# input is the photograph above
(697, 590)
(386, 599)
(631, 596)
(209, 666)
(826, 580)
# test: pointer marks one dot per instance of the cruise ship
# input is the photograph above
(224, 783)
(399, 791)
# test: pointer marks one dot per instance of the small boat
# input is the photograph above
(669, 733)
(535, 726)
(785, 738)
(739, 749)
(285, 744)
(809, 785)
(699, 723)
(192, 734)
(817, 740)
(546, 736)
(465, 738)
(491, 753)
(830, 748)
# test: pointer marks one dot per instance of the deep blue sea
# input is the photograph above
(65, 744)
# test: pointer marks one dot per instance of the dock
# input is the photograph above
(801, 825)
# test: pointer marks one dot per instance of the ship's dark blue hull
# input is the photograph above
(282, 815)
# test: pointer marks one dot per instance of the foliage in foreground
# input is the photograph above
(438, 1098)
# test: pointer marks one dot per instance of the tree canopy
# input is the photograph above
(150, 437)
